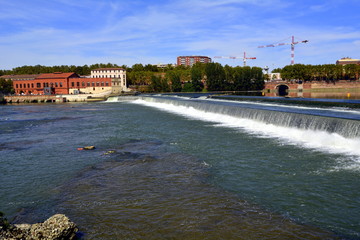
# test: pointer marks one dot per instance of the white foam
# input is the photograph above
(319, 140)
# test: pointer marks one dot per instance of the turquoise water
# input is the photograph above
(170, 168)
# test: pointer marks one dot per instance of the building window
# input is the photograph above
(93, 84)
(78, 84)
(61, 84)
(107, 84)
(17, 86)
(88, 84)
(56, 84)
(72, 84)
(38, 85)
(83, 84)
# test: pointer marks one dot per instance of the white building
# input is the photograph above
(117, 74)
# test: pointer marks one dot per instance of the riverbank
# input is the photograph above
(60, 98)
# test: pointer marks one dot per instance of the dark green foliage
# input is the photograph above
(276, 70)
(137, 67)
(197, 74)
(325, 72)
(234, 78)
(159, 84)
(6, 86)
(174, 77)
(215, 76)
(37, 69)
(188, 87)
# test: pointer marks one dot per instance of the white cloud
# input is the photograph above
(138, 31)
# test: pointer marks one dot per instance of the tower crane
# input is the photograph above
(292, 43)
(244, 58)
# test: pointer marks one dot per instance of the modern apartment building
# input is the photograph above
(191, 60)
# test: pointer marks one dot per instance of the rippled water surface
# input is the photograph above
(158, 174)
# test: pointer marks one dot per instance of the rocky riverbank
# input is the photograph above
(57, 227)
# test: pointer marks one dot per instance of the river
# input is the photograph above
(168, 167)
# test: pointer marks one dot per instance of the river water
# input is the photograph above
(184, 168)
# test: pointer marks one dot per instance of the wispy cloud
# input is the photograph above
(129, 32)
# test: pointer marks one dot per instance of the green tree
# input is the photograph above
(188, 87)
(159, 84)
(257, 79)
(276, 70)
(215, 76)
(137, 67)
(174, 77)
(6, 86)
(196, 74)
(229, 78)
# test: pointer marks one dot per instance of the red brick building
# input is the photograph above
(47, 83)
(191, 60)
(64, 83)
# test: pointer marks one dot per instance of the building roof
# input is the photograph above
(20, 76)
(348, 59)
(101, 69)
(57, 75)
(197, 56)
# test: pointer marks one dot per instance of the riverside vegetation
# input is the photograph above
(150, 78)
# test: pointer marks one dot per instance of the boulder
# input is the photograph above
(57, 227)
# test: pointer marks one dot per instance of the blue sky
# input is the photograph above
(78, 32)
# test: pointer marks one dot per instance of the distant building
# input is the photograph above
(164, 65)
(117, 74)
(191, 60)
(108, 72)
(347, 60)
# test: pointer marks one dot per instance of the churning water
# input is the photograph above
(180, 168)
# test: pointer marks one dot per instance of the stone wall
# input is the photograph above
(313, 86)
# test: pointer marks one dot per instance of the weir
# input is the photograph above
(345, 127)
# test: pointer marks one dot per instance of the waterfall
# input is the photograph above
(345, 127)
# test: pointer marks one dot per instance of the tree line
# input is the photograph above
(83, 70)
(199, 77)
(150, 78)
(324, 72)
(37, 69)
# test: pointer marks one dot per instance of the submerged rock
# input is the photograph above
(57, 227)
(86, 148)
